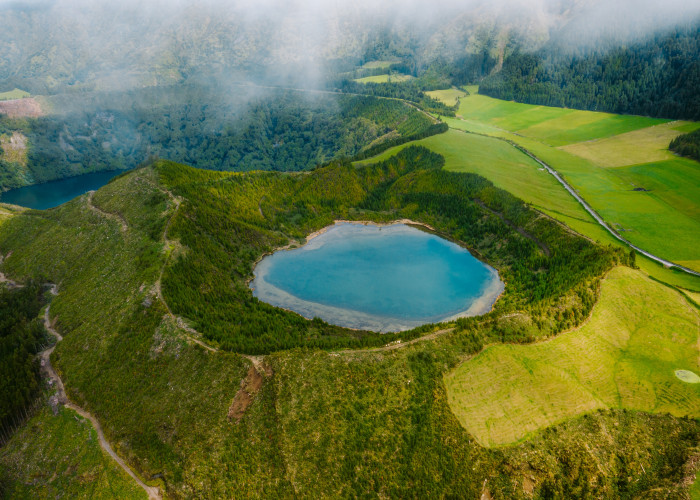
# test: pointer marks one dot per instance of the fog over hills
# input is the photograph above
(50, 46)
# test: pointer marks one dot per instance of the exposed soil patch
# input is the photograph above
(250, 386)
(21, 108)
(14, 148)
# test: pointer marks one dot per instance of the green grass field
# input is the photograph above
(393, 78)
(624, 357)
(13, 94)
(552, 126)
(645, 145)
(449, 97)
(59, 456)
(378, 64)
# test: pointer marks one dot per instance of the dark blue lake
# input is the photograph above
(381, 278)
(55, 193)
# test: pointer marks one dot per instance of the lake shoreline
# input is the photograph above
(353, 319)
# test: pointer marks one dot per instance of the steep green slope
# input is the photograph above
(319, 423)
(58, 455)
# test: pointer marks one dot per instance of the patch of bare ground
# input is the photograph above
(21, 108)
(691, 468)
(250, 386)
(14, 147)
(485, 493)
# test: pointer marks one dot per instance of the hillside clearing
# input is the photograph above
(14, 94)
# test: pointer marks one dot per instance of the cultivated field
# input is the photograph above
(651, 196)
(645, 145)
(393, 78)
(552, 126)
(624, 357)
(378, 64)
(13, 94)
(449, 96)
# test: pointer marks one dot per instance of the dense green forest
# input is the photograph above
(228, 221)
(21, 336)
(687, 145)
(204, 127)
(657, 76)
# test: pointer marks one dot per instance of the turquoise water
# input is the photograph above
(55, 193)
(387, 278)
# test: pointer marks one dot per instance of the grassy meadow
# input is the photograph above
(386, 78)
(14, 94)
(645, 145)
(552, 126)
(640, 332)
(450, 97)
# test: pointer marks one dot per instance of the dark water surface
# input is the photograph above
(386, 278)
(55, 193)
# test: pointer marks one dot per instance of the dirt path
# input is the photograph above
(397, 344)
(46, 367)
(115, 217)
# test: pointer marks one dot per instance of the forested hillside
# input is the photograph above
(21, 336)
(658, 76)
(217, 129)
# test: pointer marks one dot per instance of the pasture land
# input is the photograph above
(625, 356)
(386, 78)
(450, 97)
(53, 456)
(655, 205)
(552, 126)
(645, 145)
(13, 94)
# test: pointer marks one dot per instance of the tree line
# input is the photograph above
(22, 336)
(658, 76)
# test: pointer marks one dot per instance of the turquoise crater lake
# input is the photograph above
(381, 278)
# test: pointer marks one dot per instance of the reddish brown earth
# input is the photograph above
(21, 108)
